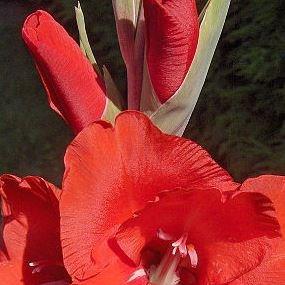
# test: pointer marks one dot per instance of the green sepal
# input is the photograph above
(84, 42)
(114, 105)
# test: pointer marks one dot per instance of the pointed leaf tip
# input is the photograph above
(84, 42)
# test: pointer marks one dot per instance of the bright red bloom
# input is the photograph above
(140, 206)
(112, 233)
(172, 30)
(31, 252)
(74, 89)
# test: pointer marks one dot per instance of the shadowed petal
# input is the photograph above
(31, 241)
(272, 269)
(11, 274)
(273, 187)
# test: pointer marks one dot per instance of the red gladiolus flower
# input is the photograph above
(31, 251)
(172, 30)
(74, 89)
(199, 226)
(141, 207)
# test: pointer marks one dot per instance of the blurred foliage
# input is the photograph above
(32, 137)
(240, 114)
(239, 117)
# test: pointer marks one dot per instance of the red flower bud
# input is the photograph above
(172, 30)
(74, 89)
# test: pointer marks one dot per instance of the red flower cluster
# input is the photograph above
(136, 206)
(77, 92)
(141, 207)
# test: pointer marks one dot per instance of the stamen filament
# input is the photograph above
(165, 273)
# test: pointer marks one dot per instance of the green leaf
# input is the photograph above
(114, 104)
(172, 117)
(202, 14)
(84, 42)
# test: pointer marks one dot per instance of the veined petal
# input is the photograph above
(273, 187)
(30, 229)
(272, 269)
(230, 238)
(11, 274)
(74, 89)
(112, 172)
(117, 273)
(172, 30)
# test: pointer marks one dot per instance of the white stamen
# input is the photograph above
(165, 273)
(163, 235)
(38, 266)
(137, 274)
(156, 199)
(174, 250)
(180, 244)
(33, 264)
(193, 256)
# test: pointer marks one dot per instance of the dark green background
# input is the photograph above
(239, 117)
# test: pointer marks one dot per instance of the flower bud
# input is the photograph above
(172, 30)
(74, 89)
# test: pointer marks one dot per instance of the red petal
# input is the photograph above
(172, 33)
(272, 269)
(31, 227)
(11, 274)
(117, 273)
(229, 237)
(274, 188)
(113, 172)
(74, 89)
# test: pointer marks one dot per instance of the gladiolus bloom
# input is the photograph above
(149, 207)
(172, 30)
(74, 89)
(141, 207)
(31, 252)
